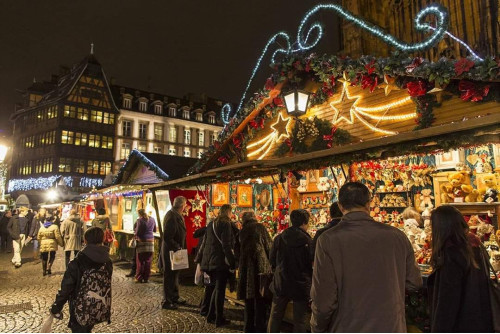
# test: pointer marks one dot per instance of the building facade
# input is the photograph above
(156, 123)
(64, 131)
(475, 22)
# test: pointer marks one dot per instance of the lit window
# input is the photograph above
(158, 132)
(171, 150)
(107, 142)
(200, 153)
(66, 137)
(143, 106)
(105, 168)
(127, 128)
(201, 138)
(157, 149)
(81, 139)
(142, 147)
(143, 131)
(125, 151)
(199, 117)
(185, 114)
(93, 167)
(69, 111)
(94, 141)
(211, 119)
(79, 166)
(172, 112)
(158, 109)
(173, 134)
(213, 138)
(127, 103)
(187, 152)
(187, 136)
(96, 116)
(83, 114)
(64, 165)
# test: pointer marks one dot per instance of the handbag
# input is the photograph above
(265, 281)
(132, 243)
(199, 276)
(179, 260)
(109, 235)
(494, 288)
(47, 324)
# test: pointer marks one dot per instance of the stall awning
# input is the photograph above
(477, 130)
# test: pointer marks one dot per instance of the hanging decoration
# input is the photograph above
(197, 221)
(280, 129)
(36, 183)
(197, 203)
(225, 112)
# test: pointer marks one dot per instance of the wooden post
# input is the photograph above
(155, 203)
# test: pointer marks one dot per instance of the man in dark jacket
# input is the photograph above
(335, 217)
(6, 240)
(37, 221)
(218, 260)
(174, 239)
(93, 257)
(292, 264)
(17, 227)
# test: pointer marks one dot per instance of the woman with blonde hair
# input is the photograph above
(145, 227)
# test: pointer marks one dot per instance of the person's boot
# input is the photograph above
(49, 267)
(44, 266)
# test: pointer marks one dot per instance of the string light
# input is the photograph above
(359, 112)
(226, 110)
(36, 183)
(88, 182)
(269, 141)
(456, 39)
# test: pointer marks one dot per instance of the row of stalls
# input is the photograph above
(418, 134)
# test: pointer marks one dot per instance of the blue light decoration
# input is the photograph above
(36, 183)
(225, 112)
(89, 182)
(303, 44)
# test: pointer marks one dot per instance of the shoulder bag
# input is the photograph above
(494, 288)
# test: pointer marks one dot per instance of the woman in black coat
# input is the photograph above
(254, 260)
(458, 287)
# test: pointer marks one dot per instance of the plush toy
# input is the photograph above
(426, 199)
(446, 193)
(495, 260)
(459, 188)
(490, 190)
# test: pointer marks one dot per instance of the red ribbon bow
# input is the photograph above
(471, 92)
(369, 81)
(278, 102)
(257, 123)
(223, 160)
(329, 138)
(237, 141)
(369, 67)
(288, 143)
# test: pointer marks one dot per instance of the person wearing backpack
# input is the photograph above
(86, 285)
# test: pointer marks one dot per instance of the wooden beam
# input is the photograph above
(155, 203)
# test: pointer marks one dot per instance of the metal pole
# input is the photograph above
(155, 203)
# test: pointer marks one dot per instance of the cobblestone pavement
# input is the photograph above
(25, 297)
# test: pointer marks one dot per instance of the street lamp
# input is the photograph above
(296, 102)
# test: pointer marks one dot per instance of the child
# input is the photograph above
(87, 285)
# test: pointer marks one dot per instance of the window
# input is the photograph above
(38, 166)
(157, 149)
(143, 131)
(105, 168)
(96, 116)
(158, 109)
(185, 114)
(142, 147)
(107, 142)
(64, 165)
(143, 106)
(125, 151)
(172, 112)
(47, 165)
(69, 111)
(158, 132)
(79, 166)
(173, 134)
(81, 139)
(93, 167)
(213, 138)
(127, 128)
(199, 117)
(201, 138)
(108, 118)
(187, 152)
(211, 119)
(187, 136)
(171, 150)
(67, 137)
(83, 114)
(127, 103)
(94, 141)
(200, 153)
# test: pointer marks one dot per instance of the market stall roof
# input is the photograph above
(147, 168)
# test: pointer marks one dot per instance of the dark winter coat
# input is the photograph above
(292, 264)
(101, 221)
(254, 258)
(331, 223)
(17, 226)
(215, 252)
(174, 232)
(35, 225)
(91, 257)
(3, 224)
(459, 296)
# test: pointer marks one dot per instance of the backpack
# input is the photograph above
(93, 299)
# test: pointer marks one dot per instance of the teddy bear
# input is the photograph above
(495, 260)
(426, 199)
(459, 188)
(490, 190)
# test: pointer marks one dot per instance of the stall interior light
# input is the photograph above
(51, 195)
(296, 102)
(247, 181)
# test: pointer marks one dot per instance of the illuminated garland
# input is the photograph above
(226, 110)
(36, 183)
(135, 153)
(89, 182)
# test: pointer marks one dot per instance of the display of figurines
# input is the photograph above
(489, 192)
(457, 189)
(302, 185)
(495, 260)
(426, 199)
(323, 184)
(393, 200)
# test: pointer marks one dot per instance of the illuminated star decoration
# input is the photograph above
(355, 111)
(389, 84)
(197, 203)
(197, 220)
(280, 129)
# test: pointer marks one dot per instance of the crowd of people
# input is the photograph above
(352, 277)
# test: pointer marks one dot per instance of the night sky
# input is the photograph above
(171, 47)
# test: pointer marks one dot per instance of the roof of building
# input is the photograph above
(165, 167)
